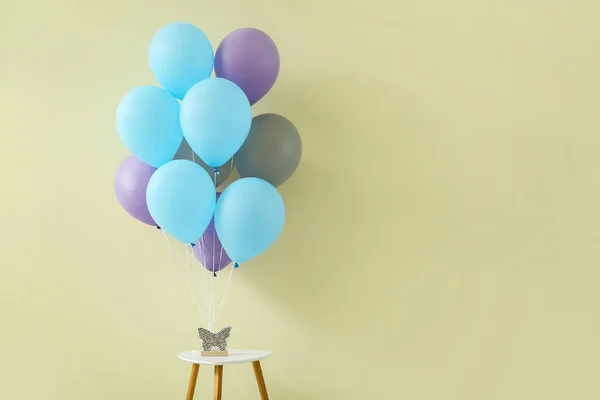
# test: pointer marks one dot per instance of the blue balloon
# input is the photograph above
(181, 199)
(148, 123)
(215, 119)
(248, 218)
(180, 56)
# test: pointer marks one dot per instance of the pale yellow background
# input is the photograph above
(443, 231)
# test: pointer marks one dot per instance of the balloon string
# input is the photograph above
(205, 274)
(219, 283)
(209, 299)
(212, 311)
(225, 292)
(189, 252)
(183, 274)
(220, 263)
(210, 304)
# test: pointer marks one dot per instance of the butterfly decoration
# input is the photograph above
(211, 340)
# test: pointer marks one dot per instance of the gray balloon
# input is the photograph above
(272, 150)
(185, 152)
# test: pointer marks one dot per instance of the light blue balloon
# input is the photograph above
(249, 217)
(215, 119)
(181, 199)
(180, 56)
(148, 123)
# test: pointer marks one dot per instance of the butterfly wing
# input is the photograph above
(224, 333)
(206, 335)
(222, 338)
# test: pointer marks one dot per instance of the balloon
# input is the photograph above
(181, 199)
(185, 152)
(209, 251)
(249, 58)
(148, 123)
(215, 119)
(180, 56)
(272, 150)
(248, 218)
(130, 183)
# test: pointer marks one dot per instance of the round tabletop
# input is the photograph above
(234, 357)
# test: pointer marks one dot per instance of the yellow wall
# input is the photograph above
(443, 231)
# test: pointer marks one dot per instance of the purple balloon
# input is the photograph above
(249, 58)
(131, 181)
(208, 249)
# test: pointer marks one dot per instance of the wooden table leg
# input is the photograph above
(192, 383)
(218, 382)
(260, 379)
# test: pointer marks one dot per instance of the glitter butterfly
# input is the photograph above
(210, 340)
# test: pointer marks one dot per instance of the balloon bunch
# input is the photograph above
(187, 135)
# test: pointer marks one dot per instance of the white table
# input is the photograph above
(234, 357)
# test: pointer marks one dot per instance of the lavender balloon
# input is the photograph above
(131, 181)
(208, 249)
(249, 58)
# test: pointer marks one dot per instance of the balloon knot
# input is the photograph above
(236, 265)
(158, 227)
(215, 274)
(216, 171)
(193, 244)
